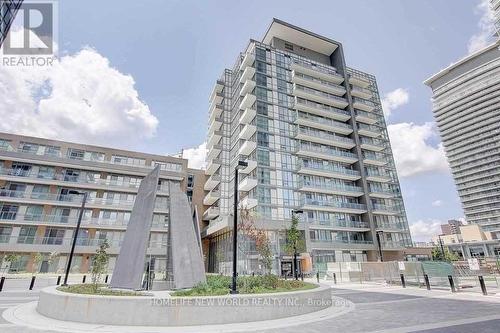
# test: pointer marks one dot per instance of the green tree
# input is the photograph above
(37, 259)
(259, 236)
(437, 255)
(294, 239)
(99, 264)
(11, 259)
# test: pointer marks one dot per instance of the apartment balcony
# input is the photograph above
(365, 117)
(343, 225)
(374, 159)
(326, 154)
(217, 98)
(334, 206)
(211, 197)
(247, 184)
(247, 131)
(369, 130)
(329, 171)
(214, 152)
(251, 167)
(324, 138)
(211, 213)
(215, 125)
(393, 245)
(248, 87)
(342, 244)
(319, 84)
(338, 189)
(389, 227)
(247, 101)
(372, 144)
(214, 112)
(360, 92)
(247, 148)
(378, 177)
(381, 193)
(362, 104)
(320, 72)
(219, 85)
(212, 182)
(213, 165)
(214, 139)
(248, 203)
(358, 81)
(384, 209)
(248, 74)
(326, 124)
(319, 96)
(321, 110)
(248, 60)
(247, 116)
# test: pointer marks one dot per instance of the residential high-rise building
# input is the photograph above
(495, 7)
(466, 106)
(314, 136)
(40, 182)
(452, 227)
(8, 11)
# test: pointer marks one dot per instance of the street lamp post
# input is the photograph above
(235, 226)
(295, 266)
(75, 236)
(378, 233)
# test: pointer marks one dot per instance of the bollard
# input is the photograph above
(403, 282)
(58, 280)
(253, 274)
(427, 283)
(317, 276)
(32, 283)
(483, 286)
(334, 278)
(84, 278)
(302, 276)
(452, 283)
(2, 281)
(106, 279)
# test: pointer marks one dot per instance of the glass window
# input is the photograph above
(8, 212)
(76, 154)
(5, 232)
(27, 235)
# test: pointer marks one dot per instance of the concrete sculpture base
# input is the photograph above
(161, 309)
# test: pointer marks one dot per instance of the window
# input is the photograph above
(71, 175)
(40, 191)
(261, 79)
(33, 213)
(264, 195)
(168, 166)
(27, 235)
(264, 176)
(46, 172)
(76, 154)
(260, 54)
(263, 157)
(53, 236)
(5, 232)
(53, 151)
(21, 169)
(262, 139)
(262, 108)
(288, 46)
(8, 212)
(5, 145)
(261, 93)
(27, 147)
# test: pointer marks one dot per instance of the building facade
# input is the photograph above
(314, 136)
(452, 227)
(466, 106)
(8, 11)
(40, 182)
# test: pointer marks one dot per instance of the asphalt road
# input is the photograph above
(377, 309)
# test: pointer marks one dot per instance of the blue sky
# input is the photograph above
(174, 51)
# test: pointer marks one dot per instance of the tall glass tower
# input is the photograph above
(313, 133)
(8, 11)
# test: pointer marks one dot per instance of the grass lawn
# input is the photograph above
(220, 285)
(89, 289)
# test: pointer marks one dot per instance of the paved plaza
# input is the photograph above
(377, 308)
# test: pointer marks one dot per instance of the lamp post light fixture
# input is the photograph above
(75, 236)
(235, 225)
(295, 263)
(378, 233)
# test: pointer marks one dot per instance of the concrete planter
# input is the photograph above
(161, 309)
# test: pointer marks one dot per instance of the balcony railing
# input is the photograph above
(385, 208)
(325, 135)
(342, 240)
(333, 204)
(340, 223)
(384, 225)
(324, 121)
(66, 241)
(322, 107)
(327, 151)
(331, 186)
(330, 168)
(320, 93)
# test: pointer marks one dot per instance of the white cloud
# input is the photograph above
(486, 27)
(196, 156)
(412, 153)
(437, 203)
(79, 98)
(425, 230)
(394, 100)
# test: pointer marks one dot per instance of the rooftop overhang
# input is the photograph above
(299, 36)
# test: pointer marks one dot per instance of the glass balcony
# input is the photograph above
(248, 74)
(247, 148)
(213, 165)
(386, 226)
(211, 213)
(251, 166)
(381, 193)
(316, 83)
(384, 209)
(369, 130)
(321, 109)
(335, 206)
(212, 182)
(219, 85)
(247, 87)
(362, 104)
(365, 117)
(324, 138)
(247, 101)
(374, 159)
(331, 188)
(247, 184)
(326, 153)
(248, 203)
(326, 124)
(328, 170)
(372, 144)
(360, 92)
(247, 132)
(359, 81)
(247, 116)
(211, 197)
(322, 72)
(214, 139)
(248, 60)
(342, 224)
(319, 96)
